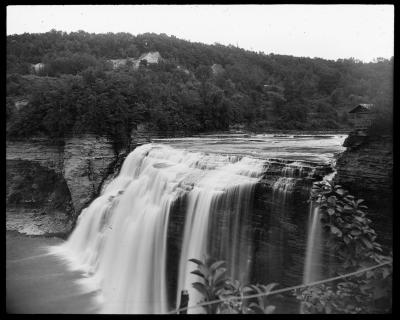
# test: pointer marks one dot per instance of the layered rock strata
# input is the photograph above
(54, 180)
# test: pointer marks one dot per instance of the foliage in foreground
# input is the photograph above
(352, 239)
(217, 285)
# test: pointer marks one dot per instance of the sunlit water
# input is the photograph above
(120, 239)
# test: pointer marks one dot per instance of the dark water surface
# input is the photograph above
(40, 283)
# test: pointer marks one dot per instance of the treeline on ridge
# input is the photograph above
(194, 88)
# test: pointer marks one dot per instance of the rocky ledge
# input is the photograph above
(49, 183)
(366, 167)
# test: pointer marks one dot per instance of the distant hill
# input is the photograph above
(103, 83)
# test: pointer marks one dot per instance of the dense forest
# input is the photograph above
(193, 88)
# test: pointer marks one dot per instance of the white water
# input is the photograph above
(222, 188)
(120, 239)
(312, 266)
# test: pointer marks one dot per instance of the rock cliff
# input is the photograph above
(54, 180)
(366, 167)
(366, 170)
(87, 160)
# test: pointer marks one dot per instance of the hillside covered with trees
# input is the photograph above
(193, 88)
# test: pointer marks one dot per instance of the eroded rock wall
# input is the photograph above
(366, 167)
(51, 182)
(86, 162)
(366, 170)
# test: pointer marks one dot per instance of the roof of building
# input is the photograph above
(362, 107)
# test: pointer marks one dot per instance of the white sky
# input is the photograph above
(327, 31)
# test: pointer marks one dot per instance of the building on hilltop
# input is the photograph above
(150, 57)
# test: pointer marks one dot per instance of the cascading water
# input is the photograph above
(120, 239)
(313, 263)
(312, 266)
(228, 189)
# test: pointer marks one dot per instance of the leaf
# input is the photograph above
(347, 208)
(386, 272)
(355, 232)
(336, 231)
(260, 299)
(332, 200)
(269, 287)
(340, 191)
(199, 273)
(197, 262)
(364, 289)
(202, 289)
(247, 289)
(367, 243)
(219, 275)
(220, 283)
(216, 265)
(360, 201)
(269, 309)
(247, 310)
(360, 219)
(331, 211)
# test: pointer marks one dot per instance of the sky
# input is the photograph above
(363, 32)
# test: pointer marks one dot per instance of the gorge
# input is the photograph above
(181, 198)
(245, 210)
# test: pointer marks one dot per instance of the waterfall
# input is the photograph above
(312, 266)
(120, 240)
(225, 189)
(313, 263)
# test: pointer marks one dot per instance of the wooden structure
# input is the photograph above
(362, 115)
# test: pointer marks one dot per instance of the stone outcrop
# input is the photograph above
(366, 170)
(38, 199)
(86, 163)
(366, 167)
(37, 150)
(55, 180)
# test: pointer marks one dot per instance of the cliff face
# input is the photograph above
(87, 159)
(366, 167)
(366, 170)
(50, 183)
